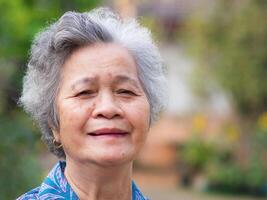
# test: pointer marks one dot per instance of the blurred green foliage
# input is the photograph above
(197, 152)
(229, 42)
(20, 20)
(238, 174)
(245, 170)
(225, 165)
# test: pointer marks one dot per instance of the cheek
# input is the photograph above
(73, 115)
(139, 115)
(140, 121)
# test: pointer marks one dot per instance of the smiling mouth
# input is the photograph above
(108, 132)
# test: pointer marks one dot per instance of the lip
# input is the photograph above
(108, 132)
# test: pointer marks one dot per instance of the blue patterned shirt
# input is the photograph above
(55, 186)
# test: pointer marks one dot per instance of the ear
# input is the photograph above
(55, 132)
(56, 135)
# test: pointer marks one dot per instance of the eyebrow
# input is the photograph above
(124, 78)
(83, 81)
(117, 80)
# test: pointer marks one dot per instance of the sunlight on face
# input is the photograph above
(103, 110)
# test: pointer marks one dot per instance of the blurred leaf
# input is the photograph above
(230, 46)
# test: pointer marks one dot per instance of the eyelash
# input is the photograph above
(124, 91)
(120, 91)
(85, 92)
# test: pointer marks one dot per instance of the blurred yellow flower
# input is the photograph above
(262, 121)
(233, 134)
(199, 123)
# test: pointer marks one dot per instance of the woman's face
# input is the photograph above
(103, 110)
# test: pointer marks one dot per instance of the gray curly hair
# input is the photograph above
(54, 44)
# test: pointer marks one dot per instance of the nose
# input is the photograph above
(107, 107)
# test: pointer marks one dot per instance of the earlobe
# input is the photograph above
(56, 141)
(56, 135)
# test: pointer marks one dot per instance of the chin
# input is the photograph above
(115, 159)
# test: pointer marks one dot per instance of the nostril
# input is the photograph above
(107, 108)
(108, 114)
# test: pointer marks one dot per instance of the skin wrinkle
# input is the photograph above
(106, 175)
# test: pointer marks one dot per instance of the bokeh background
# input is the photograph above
(210, 142)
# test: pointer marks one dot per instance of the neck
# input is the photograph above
(93, 182)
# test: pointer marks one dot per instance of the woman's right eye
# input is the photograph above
(85, 93)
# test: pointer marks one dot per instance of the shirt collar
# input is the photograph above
(56, 186)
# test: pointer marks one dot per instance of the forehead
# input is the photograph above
(99, 55)
(100, 62)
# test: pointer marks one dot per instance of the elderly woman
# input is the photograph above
(94, 84)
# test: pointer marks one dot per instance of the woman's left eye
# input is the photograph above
(125, 92)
